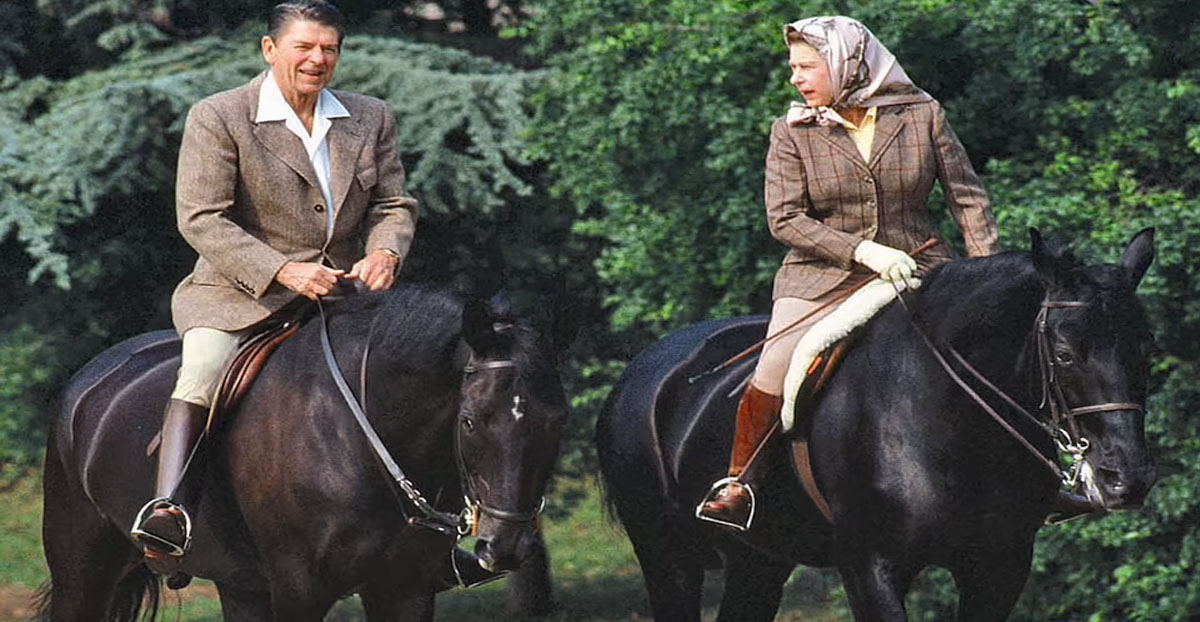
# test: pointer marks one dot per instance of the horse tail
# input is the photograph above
(138, 586)
(41, 603)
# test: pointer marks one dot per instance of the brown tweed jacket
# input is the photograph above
(247, 200)
(822, 199)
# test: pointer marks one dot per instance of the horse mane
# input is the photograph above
(421, 326)
(969, 301)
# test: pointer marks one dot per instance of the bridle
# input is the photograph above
(459, 525)
(1062, 426)
(474, 506)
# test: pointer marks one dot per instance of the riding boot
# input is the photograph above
(464, 570)
(730, 502)
(163, 527)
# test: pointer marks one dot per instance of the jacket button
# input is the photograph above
(318, 207)
(867, 179)
(871, 203)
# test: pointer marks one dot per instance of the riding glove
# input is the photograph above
(891, 264)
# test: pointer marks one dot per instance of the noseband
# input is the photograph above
(1061, 427)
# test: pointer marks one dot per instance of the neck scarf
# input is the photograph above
(862, 71)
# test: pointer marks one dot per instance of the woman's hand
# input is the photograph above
(890, 263)
(311, 280)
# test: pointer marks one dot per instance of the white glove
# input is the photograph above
(891, 264)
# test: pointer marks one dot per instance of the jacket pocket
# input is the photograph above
(367, 177)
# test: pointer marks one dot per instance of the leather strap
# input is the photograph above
(443, 521)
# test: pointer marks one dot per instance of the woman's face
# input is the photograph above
(303, 58)
(810, 75)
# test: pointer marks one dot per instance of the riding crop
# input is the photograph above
(930, 243)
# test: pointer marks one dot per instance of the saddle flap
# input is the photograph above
(243, 367)
(822, 369)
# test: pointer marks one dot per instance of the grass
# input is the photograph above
(596, 576)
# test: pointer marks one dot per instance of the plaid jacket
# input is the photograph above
(247, 200)
(822, 199)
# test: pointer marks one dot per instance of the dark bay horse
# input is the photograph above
(915, 472)
(297, 512)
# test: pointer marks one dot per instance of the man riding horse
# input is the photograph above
(283, 188)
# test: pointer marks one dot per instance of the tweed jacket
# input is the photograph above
(822, 198)
(247, 200)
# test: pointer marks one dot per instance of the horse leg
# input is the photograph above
(92, 565)
(239, 605)
(674, 576)
(990, 584)
(875, 587)
(297, 597)
(381, 605)
(529, 588)
(753, 587)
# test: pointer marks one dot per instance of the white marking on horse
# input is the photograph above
(516, 409)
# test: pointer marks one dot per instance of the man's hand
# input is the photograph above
(377, 270)
(310, 280)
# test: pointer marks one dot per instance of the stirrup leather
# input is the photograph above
(712, 493)
(143, 537)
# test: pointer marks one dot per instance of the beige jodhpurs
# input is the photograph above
(777, 354)
(205, 351)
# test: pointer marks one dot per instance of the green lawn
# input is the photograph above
(595, 574)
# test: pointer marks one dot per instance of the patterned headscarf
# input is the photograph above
(863, 72)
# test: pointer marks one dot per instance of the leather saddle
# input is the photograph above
(241, 370)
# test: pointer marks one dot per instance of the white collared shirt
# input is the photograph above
(273, 107)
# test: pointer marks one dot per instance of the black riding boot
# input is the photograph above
(163, 526)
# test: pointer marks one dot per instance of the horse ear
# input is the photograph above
(1138, 255)
(1050, 256)
(478, 327)
(1042, 261)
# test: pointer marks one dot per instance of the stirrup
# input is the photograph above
(151, 542)
(712, 493)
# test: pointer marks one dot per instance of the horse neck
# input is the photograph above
(413, 404)
(989, 318)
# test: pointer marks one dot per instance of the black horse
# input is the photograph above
(915, 472)
(297, 512)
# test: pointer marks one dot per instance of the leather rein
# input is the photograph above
(461, 524)
(1061, 427)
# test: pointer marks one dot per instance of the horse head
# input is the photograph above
(510, 419)
(1093, 344)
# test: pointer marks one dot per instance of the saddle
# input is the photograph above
(241, 370)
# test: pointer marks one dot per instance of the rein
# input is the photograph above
(449, 523)
(1062, 427)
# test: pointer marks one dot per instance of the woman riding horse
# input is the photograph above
(280, 183)
(849, 173)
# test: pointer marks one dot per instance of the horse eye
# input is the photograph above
(1063, 357)
(467, 423)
